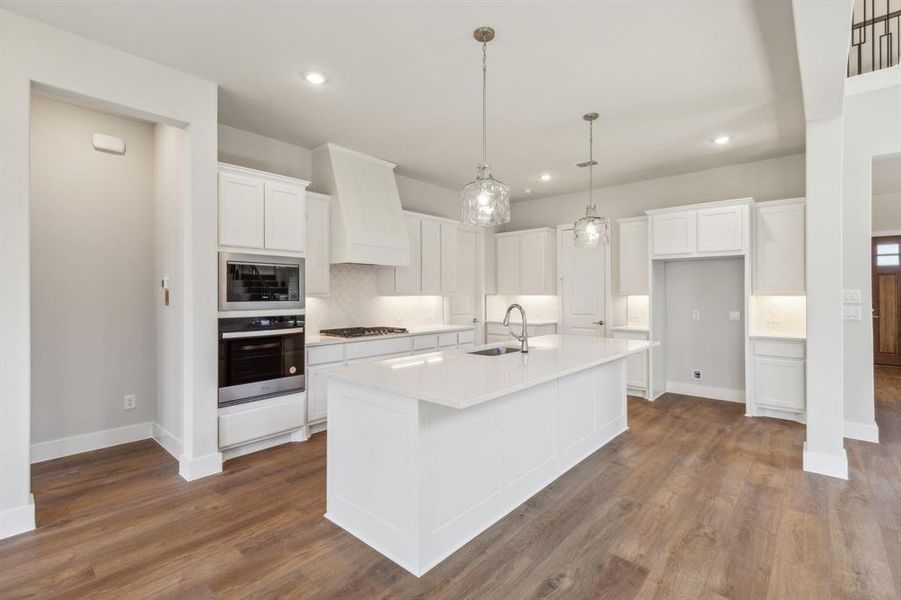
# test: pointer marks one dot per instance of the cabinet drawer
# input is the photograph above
(779, 348)
(422, 342)
(261, 420)
(466, 337)
(379, 348)
(325, 354)
(447, 339)
(380, 357)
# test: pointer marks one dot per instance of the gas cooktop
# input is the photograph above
(353, 332)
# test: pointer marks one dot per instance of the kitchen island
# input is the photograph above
(425, 452)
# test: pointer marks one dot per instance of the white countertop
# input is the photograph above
(315, 339)
(459, 379)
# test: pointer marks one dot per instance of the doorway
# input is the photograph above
(583, 283)
(886, 277)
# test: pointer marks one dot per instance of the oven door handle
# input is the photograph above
(234, 335)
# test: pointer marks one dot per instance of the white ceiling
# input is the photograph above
(666, 77)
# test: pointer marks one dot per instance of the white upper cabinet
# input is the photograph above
(633, 257)
(261, 211)
(779, 248)
(285, 221)
(673, 234)
(240, 210)
(712, 229)
(721, 229)
(527, 262)
(433, 256)
(317, 244)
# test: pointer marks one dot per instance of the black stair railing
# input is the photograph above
(875, 36)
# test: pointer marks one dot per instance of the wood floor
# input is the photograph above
(695, 501)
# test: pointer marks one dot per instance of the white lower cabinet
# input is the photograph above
(246, 423)
(636, 364)
(778, 367)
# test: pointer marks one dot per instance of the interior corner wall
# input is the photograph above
(171, 195)
(886, 212)
(35, 54)
(872, 127)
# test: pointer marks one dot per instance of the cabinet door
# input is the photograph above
(721, 229)
(673, 234)
(507, 264)
(317, 396)
(779, 383)
(448, 258)
(285, 221)
(636, 364)
(240, 211)
(431, 257)
(533, 267)
(317, 246)
(779, 249)
(408, 280)
(633, 258)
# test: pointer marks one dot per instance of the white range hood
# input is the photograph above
(367, 223)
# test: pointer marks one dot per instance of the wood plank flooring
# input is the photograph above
(695, 501)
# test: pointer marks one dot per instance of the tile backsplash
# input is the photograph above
(354, 301)
(779, 315)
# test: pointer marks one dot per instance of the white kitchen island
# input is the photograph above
(425, 452)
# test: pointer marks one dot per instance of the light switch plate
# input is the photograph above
(851, 296)
(851, 313)
(696, 315)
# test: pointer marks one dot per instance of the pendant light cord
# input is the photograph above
(484, 104)
(590, 163)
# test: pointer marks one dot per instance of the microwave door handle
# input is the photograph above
(234, 335)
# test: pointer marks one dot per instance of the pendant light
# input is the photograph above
(486, 201)
(591, 230)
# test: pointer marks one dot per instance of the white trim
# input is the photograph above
(167, 440)
(202, 466)
(875, 80)
(833, 465)
(19, 519)
(705, 391)
(264, 174)
(776, 413)
(86, 442)
(886, 232)
(699, 205)
(865, 432)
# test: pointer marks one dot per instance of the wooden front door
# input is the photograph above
(887, 300)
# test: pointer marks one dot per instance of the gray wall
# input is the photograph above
(887, 212)
(92, 285)
(713, 344)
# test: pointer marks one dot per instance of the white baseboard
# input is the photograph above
(865, 432)
(705, 391)
(202, 466)
(775, 413)
(169, 442)
(86, 442)
(19, 519)
(833, 465)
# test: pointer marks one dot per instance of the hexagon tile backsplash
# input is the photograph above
(354, 301)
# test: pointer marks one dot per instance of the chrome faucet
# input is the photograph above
(524, 335)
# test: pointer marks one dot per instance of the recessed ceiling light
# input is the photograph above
(545, 177)
(527, 190)
(722, 140)
(315, 77)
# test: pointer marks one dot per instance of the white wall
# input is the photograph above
(92, 338)
(246, 149)
(171, 194)
(713, 344)
(887, 212)
(34, 54)
(872, 127)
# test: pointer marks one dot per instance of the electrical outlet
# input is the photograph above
(696, 314)
(697, 374)
(130, 402)
(851, 296)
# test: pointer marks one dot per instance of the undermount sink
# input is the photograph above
(495, 351)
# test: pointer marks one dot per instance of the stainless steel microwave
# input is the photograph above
(260, 282)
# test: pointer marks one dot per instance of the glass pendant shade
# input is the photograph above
(591, 230)
(486, 201)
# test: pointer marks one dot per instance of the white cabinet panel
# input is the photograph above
(449, 284)
(330, 353)
(779, 383)
(636, 364)
(430, 256)
(285, 221)
(721, 229)
(425, 342)
(379, 347)
(633, 257)
(779, 248)
(240, 211)
(408, 280)
(317, 245)
(259, 420)
(508, 264)
(673, 234)
(317, 393)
